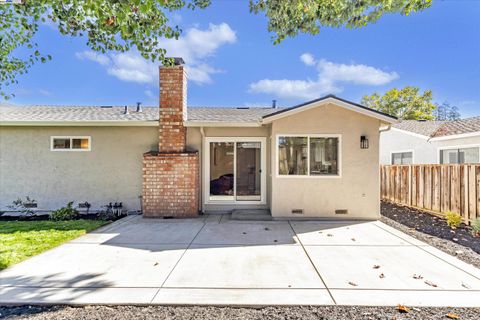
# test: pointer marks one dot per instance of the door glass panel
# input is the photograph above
(221, 170)
(248, 178)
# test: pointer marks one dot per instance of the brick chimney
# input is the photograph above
(171, 175)
(173, 107)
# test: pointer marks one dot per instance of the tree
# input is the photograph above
(108, 25)
(288, 18)
(120, 25)
(446, 112)
(407, 103)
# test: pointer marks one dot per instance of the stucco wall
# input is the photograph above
(357, 190)
(397, 141)
(424, 151)
(111, 171)
(194, 142)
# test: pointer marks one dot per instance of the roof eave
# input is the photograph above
(221, 124)
(456, 136)
(93, 123)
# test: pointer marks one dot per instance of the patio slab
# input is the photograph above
(216, 261)
(279, 266)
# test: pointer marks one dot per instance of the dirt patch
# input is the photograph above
(434, 231)
(216, 313)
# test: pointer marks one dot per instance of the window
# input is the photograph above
(311, 155)
(70, 144)
(402, 157)
(460, 155)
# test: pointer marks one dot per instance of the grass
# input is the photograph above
(20, 240)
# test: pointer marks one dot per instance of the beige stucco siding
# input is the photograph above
(195, 142)
(110, 172)
(357, 190)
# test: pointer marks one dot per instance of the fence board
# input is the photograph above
(438, 188)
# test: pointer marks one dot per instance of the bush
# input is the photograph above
(453, 219)
(65, 213)
(476, 227)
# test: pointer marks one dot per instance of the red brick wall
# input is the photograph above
(171, 175)
(170, 185)
(173, 95)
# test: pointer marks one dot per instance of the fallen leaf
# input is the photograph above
(266, 229)
(353, 239)
(376, 266)
(430, 283)
(353, 284)
(156, 264)
(275, 240)
(244, 232)
(381, 276)
(403, 309)
(466, 286)
(417, 276)
(329, 235)
(452, 316)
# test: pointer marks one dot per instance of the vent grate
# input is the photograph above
(341, 211)
(297, 211)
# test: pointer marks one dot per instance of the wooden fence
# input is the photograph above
(434, 187)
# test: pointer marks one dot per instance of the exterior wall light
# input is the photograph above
(363, 142)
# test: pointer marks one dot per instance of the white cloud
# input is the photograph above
(308, 59)
(330, 77)
(195, 47)
(96, 57)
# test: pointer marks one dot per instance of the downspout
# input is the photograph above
(202, 133)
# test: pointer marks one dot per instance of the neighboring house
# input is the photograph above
(317, 159)
(431, 142)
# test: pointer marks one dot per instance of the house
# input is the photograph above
(319, 159)
(431, 142)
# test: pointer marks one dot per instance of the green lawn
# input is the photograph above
(20, 240)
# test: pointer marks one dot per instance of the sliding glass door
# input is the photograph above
(235, 169)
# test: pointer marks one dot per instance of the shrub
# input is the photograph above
(65, 213)
(24, 206)
(476, 227)
(453, 219)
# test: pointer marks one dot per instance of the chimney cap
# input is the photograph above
(177, 61)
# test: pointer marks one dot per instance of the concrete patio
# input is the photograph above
(217, 261)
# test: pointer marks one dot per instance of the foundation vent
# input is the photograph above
(341, 211)
(297, 211)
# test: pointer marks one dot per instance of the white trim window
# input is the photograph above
(70, 143)
(308, 155)
(401, 157)
(460, 154)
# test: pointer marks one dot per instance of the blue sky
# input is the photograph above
(232, 61)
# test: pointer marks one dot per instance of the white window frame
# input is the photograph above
(89, 138)
(464, 146)
(403, 151)
(263, 168)
(308, 136)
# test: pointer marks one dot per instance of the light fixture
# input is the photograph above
(363, 142)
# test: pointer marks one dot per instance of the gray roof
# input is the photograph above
(461, 126)
(426, 128)
(116, 113)
(440, 128)
(222, 114)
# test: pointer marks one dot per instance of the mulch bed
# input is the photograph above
(218, 313)
(44, 217)
(434, 231)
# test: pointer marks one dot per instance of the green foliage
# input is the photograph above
(453, 219)
(21, 240)
(23, 206)
(65, 213)
(407, 103)
(476, 227)
(446, 112)
(288, 18)
(107, 26)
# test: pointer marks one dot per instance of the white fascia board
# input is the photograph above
(334, 101)
(99, 123)
(220, 124)
(456, 136)
(411, 133)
